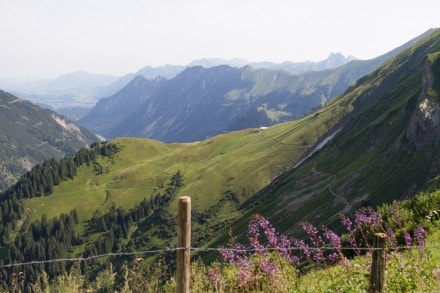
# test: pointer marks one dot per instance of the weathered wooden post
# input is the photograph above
(378, 263)
(184, 243)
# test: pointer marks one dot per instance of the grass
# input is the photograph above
(241, 162)
(359, 163)
(372, 159)
(414, 269)
(405, 273)
(70, 195)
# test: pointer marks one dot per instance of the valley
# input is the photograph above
(373, 142)
(200, 102)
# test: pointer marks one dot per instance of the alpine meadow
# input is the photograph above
(284, 198)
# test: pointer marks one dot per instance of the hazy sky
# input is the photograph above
(46, 38)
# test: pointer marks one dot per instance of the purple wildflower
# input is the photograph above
(268, 267)
(375, 218)
(303, 247)
(284, 247)
(313, 233)
(307, 251)
(392, 238)
(361, 218)
(215, 278)
(408, 239)
(394, 210)
(256, 223)
(237, 253)
(253, 233)
(367, 217)
(295, 260)
(334, 239)
(317, 256)
(346, 222)
(310, 229)
(269, 231)
(333, 258)
(253, 229)
(243, 277)
(228, 255)
(420, 235)
(352, 241)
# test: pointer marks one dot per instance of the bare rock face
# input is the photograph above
(29, 135)
(425, 122)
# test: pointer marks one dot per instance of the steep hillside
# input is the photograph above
(387, 146)
(377, 142)
(203, 102)
(112, 111)
(30, 135)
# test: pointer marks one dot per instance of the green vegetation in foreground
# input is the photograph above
(412, 269)
(376, 157)
(219, 173)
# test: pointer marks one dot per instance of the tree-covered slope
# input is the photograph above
(30, 135)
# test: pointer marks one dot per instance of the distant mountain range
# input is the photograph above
(333, 60)
(68, 93)
(201, 102)
(30, 135)
(377, 142)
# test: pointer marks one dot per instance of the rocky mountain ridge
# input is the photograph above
(202, 102)
(30, 135)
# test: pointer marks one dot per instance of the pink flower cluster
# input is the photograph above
(322, 246)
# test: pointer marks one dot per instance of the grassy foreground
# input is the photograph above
(321, 262)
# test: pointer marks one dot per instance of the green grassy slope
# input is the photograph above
(388, 147)
(241, 162)
(384, 151)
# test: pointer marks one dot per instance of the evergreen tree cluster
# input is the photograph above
(11, 213)
(46, 239)
(119, 229)
(40, 180)
(115, 225)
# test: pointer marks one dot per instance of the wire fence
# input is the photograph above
(201, 249)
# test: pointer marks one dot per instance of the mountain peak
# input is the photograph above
(213, 62)
(336, 59)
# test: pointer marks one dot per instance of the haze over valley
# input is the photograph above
(112, 111)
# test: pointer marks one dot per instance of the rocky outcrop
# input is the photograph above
(425, 121)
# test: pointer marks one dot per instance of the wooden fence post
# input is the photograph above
(378, 263)
(183, 242)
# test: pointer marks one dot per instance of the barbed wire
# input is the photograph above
(201, 249)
